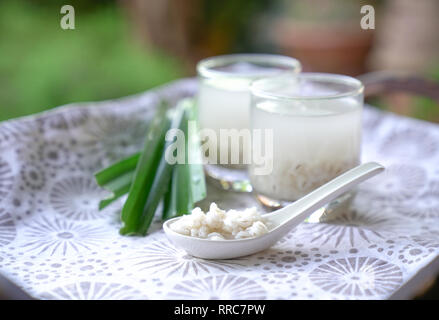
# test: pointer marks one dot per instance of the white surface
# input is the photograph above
(55, 244)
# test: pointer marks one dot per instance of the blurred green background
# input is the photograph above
(124, 47)
(43, 66)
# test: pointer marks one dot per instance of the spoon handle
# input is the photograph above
(298, 211)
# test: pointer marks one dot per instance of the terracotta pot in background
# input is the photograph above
(335, 48)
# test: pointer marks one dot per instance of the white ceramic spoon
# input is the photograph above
(282, 220)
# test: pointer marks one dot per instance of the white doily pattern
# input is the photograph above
(55, 244)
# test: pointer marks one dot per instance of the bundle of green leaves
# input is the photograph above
(148, 177)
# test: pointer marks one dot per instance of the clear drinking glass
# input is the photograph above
(224, 103)
(315, 123)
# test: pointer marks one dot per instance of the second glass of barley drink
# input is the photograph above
(315, 121)
(224, 107)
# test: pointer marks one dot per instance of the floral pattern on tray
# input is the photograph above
(55, 244)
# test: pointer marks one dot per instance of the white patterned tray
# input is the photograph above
(56, 245)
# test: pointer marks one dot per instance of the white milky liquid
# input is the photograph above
(314, 141)
(224, 104)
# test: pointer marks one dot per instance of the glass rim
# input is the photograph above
(356, 87)
(205, 66)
